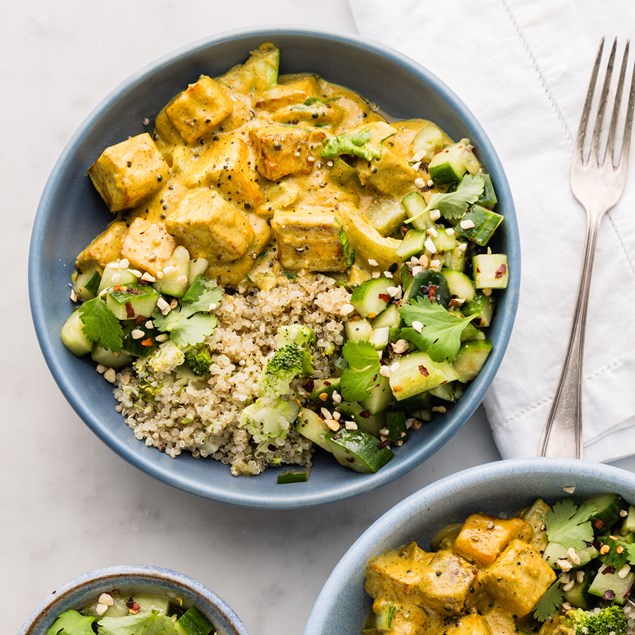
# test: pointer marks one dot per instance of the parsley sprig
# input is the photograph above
(101, 325)
(440, 334)
(570, 525)
(362, 372)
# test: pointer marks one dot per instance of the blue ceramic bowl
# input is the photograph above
(505, 486)
(71, 213)
(88, 587)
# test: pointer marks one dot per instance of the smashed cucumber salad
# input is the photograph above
(115, 613)
(415, 333)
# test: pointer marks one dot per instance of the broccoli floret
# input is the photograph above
(198, 360)
(607, 621)
(163, 360)
(267, 420)
(287, 363)
(295, 334)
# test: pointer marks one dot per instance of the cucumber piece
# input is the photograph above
(130, 301)
(448, 392)
(176, 270)
(111, 359)
(412, 244)
(365, 420)
(148, 603)
(86, 285)
(470, 332)
(470, 161)
(380, 337)
(358, 450)
(358, 330)
(488, 196)
(448, 165)
(555, 551)
(456, 259)
(371, 297)
(396, 425)
(72, 335)
(608, 508)
(432, 284)
(292, 476)
(417, 373)
(609, 585)
(471, 358)
(258, 74)
(485, 224)
(198, 266)
(193, 622)
(483, 307)
(577, 594)
(386, 216)
(389, 317)
(422, 401)
(415, 207)
(311, 426)
(459, 284)
(113, 275)
(628, 526)
(380, 397)
(427, 141)
(325, 387)
(444, 241)
(490, 271)
(295, 334)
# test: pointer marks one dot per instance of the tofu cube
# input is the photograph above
(282, 150)
(199, 108)
(128, 172)
(471, 624)
(231, 170)
(482, 538)
(104, 248)
(308, 239)
(210, 227)
(147, 246)
(518, 578)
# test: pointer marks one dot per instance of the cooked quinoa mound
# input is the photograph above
(175, 413)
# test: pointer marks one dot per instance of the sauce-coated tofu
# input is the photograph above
(147, 245)
(471, 624)
(482, 538)
(128, 172)
(308, 239)
(210, 227)
(200, 107)
(518, 578)
(104, 248)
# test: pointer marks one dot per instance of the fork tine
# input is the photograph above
(610, 149)
(626, 143)
(586, 110)
(597, 131)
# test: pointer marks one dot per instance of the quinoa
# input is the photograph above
(202, 416)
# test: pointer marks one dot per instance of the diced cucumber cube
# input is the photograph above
(459, 284)
(72, 335)
(380, 337)
(416, 373)
(415, 207)
(358, 450)
(198, 266)
(368, 422)
(448, 166)
(412, 244)
(610, 585)
(490, 271)
(389, 317)
(111, 359)
(193, 622)
(488, 197)
(324, 387)
(311, 426)
(86, 285)
(371, 297)
(484, 221)
(629, 522)
(470, 332)
(358, 330)
(175, 275)
(443, 241)
(471, 358)
(149, 603)
(555, 552)
(427, 141)
(448, 392)
(380, 397)
(483, 307)
(470, 161)
(114, 275)
(396, 425)
(130, 301)
(386, 216)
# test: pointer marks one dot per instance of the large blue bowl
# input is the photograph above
(71, 213)
(87, 588)
(505, 486)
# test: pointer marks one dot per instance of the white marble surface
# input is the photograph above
(68, 503)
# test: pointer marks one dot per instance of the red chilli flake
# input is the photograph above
(130, 312)
(432, 291)
(147, 342)
(500, 272)
(384, 296)
(133, 607)
(423, 370)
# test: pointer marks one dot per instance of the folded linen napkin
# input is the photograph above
(523, 69)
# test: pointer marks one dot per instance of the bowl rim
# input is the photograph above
(357, 553)
(115, 573)
(461, 411)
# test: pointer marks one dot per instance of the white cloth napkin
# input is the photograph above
(522, 67)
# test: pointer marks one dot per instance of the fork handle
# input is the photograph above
(563, 432)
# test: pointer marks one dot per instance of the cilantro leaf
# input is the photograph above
(101, 325)
(570, 525)
(630, 553)
(72, 623)
(453, 205)
(201, 294)
(440, 334)
(362, 372)
(349, 254)
(549, 604)
(141, 624)
(186, 329)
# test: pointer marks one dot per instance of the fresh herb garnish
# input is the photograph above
(630, 553)
(570, 525)
(549, 604)
(141, 624)
(72, 623)
(362, 372)
(453, 205)
(101, 325)
(349, 254)
(440, 332)
(353, 143)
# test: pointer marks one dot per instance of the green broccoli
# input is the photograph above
(295, 333)
(607, 621)
(198, 360)
(287, 363)
(268, 419)
(161, 361)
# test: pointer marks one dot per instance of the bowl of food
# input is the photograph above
(517, 546)
(291, 255)
(134, 599)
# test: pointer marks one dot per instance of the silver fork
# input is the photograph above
(597, 182)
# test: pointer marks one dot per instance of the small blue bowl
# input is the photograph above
(505, 486)
(87, 588)
(71, 213)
